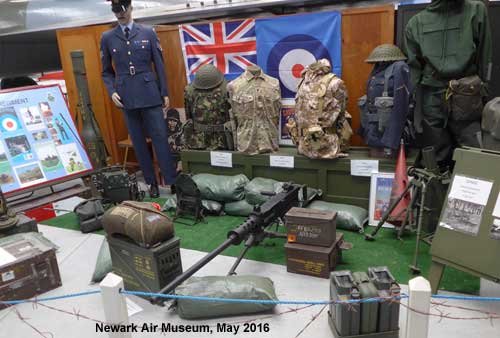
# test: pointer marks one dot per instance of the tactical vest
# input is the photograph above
(209, 113)
(319, 126)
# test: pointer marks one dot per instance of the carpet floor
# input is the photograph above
(385, 251)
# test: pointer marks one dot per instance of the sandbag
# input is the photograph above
(221, 188)
(235, 287)
(349, 217)
(211, 207)
(254, 189)
(139, 221)
(239, 208)
(103, 264)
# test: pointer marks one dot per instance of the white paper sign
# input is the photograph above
(221, 159)
(496, 211)
(6, 257)
(364, 167)
(281, 161)
(470, 189)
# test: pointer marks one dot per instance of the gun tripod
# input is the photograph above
(418, 189)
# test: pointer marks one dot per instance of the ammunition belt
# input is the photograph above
(209, 128)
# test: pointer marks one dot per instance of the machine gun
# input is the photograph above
(252, 231)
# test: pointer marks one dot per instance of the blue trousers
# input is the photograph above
(145, 122)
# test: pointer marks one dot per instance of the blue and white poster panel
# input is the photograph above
(39, 142)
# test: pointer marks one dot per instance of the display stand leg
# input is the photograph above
(435, 274)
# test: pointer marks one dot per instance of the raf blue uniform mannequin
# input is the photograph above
(134, 87)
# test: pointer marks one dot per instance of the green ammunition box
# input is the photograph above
(309, 226)
(312, 260)
(388, 312)
(146, 270)
(369, 310)
(346, 317)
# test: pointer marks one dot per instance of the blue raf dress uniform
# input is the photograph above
(141, 92)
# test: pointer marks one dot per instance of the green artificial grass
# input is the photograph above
(386, 250)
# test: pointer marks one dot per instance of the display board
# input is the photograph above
(39, 143)
(468, 235)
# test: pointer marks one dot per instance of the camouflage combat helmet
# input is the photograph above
(207, 77)
(384, 53)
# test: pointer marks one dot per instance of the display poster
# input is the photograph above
(380, 196)
(495, 229)
(221, 159)
(38, 139)
(287, 111)
(496, 211)
(463, 209)
(364, 167)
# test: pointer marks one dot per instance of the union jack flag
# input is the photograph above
(230, 46)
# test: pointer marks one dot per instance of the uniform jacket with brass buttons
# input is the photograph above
(132, 76)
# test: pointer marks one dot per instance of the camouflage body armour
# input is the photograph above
(208, 111)
(256, 102)
(320, 128)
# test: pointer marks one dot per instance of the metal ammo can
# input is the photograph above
(369, 310)
(344, 318)
(388, 318)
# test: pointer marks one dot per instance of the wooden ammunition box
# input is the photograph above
(146, 270)
(312, 260)
(28, 267)
(309, 226)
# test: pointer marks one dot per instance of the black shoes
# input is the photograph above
(154, 192)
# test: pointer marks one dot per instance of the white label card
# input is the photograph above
(221, 159)
(6, 257)
(282, 161)
(470, 189)
(364, 167)
(496, 211)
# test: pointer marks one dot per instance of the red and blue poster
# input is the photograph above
(281, 46)
(229, 46)
(288, 44)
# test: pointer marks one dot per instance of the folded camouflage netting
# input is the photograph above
(221, 188)
(349, 217)
(231, 287)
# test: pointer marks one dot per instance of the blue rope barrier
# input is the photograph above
(251, 301)
(469, 298)
(46, 299)
(255, 301)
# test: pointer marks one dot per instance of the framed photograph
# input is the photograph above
(287, 111)
(380, 195)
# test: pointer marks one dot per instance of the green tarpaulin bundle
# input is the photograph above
(211, 207)
(349, 217)
(255, 188)
(229, 287)
(221, 188)
(238, 208)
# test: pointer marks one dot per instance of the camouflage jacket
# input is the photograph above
(256, 103)
(320, 128)
(207, 112)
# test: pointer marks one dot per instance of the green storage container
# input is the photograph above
(388, 318)
(346, 317)
(369, 311)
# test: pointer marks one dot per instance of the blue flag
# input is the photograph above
(286, 45)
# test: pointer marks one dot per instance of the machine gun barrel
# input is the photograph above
(261, 217)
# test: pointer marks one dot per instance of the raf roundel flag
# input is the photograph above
(286, 45)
